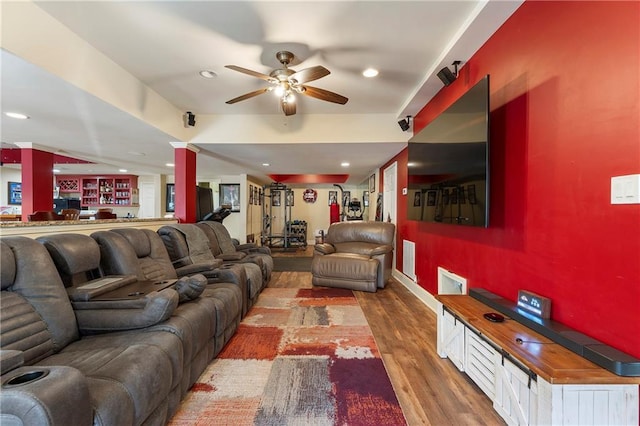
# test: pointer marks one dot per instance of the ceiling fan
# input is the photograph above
(285, 83)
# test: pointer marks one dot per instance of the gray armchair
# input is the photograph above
(355, 254)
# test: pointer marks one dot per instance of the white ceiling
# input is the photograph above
(164, 44)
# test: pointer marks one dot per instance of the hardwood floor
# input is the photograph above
(431, 390)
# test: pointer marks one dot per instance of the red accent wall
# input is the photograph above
(565, 118)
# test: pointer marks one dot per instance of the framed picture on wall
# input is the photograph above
(346, 197)
(15, 193)
(275, 198)
(416, 199)
(250, 194)
(230, 195)
(289, 201)
(431, 198)
(256, 196)
(170, 203)
(333, 197)
(372, 183)
(260, 197)
(471, 194)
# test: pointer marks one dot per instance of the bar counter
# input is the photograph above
(86, 227)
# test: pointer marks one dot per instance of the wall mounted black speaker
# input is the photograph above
(446, 76)
(404, 124)
(189, 119)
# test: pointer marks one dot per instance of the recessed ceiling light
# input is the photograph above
(344, 164)
(122, 170)
(207, 74)
(16, 115)
(56, 170)
(411, 164)
(170, 165)
(370, 72)
(266, 164)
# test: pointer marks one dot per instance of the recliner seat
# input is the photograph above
(84, 379)
(224, 245)
(141, 252)
(350, 252)
(187, 244)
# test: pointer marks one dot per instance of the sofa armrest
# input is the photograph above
(230, 257)
(252, 248)
(324, 248)
(197, 268)
(10, 360)
(100, 316)
(383, 249)
(55, 396)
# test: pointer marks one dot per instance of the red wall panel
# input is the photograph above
(565, 118)
(185, 185)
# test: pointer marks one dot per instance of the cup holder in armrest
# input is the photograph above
(24, 378)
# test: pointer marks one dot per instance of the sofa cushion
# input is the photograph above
(365, 232)
(8, 270)
(37, 281)
(76, 256)
(128, 375)
(345, 270)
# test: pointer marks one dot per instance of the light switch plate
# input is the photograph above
(625, 189)
(404, 191)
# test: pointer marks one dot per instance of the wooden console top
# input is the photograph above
(549, 360)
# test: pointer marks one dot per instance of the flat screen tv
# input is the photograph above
(448, 166)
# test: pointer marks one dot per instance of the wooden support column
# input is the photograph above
(37, 179)
(185, 181)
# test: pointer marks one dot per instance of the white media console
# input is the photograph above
(531, 379)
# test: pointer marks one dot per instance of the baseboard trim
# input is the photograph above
(423, 295)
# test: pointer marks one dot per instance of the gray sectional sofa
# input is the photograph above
(76, 350)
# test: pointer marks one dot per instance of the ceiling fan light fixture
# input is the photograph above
(207, 74)
(286, 82)
(280, 90)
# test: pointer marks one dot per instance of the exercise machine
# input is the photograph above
(276, 215)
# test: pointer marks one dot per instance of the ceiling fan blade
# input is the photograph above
(250, 72)
(289, 108)
(324, 95)
(309, 74)
(247, 96)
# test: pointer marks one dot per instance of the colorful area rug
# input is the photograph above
(300, 357)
